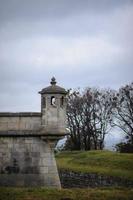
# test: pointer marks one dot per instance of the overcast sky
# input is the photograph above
(82, 43)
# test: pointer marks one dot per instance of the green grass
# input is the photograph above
(101, 162)
(65, 194)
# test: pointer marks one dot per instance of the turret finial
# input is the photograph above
(53, 81)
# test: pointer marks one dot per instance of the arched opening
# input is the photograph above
(62, 101)
(53, 101)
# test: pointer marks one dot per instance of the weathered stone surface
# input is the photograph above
(22, 165)
(19, 121)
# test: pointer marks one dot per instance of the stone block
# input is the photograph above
(43, 170)
(52, 169)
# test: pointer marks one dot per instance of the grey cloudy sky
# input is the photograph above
(82, 43)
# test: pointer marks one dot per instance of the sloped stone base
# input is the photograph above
(27, 161)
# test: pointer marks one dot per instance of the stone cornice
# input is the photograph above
(20, 114)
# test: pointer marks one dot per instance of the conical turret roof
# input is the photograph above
(53, 88)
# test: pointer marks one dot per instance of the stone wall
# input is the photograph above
(70, 179)
(27, 161)
(20, 121)
(27, 140)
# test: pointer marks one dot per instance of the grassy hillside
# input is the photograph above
(102, 162)
(65, 194)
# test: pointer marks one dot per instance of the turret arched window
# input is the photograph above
(53, 101)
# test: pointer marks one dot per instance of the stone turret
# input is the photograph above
(27, 140)
(53, 109)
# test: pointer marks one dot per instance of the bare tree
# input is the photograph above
(123, 110)
(74, 116)
(99, 116)
(89, 116)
